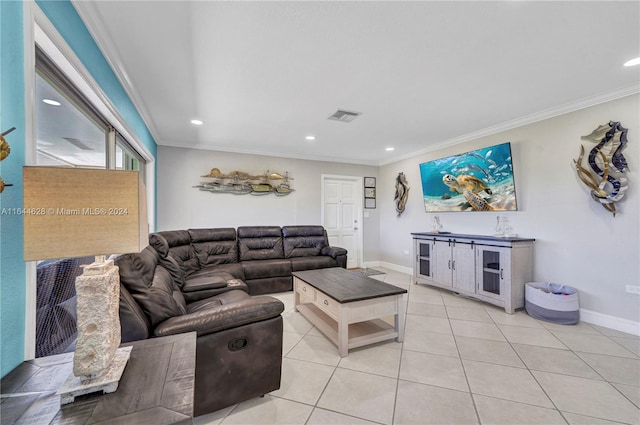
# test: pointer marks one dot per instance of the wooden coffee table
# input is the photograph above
(348, 307)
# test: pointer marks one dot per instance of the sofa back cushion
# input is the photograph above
(215, 246)
(178, 245)
(260, 242)
(303, 241)
(151, 285)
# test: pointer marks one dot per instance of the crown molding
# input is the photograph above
(526, 120)
(98, 30)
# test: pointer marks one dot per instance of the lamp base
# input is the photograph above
(107, 382)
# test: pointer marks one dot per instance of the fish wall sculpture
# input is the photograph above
(607, 165)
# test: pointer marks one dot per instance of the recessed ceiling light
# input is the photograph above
(389, 149)
(632, 62)
(196, 122)
(51, 102)
(310, 137)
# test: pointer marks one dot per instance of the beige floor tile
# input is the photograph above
(379, 360)
(419, 404)
(214, 418)
(554, 360)
(476, 330)
(484, 350)
(574, 419)
(632, 345)
(632, 392)
(452, 300)
(424, 297)
(431, 369)
(427, 324)
(505, 382)
(519, 318)
(295, 322)
(268, 410)
(579, 328)
(425, 309)
(303, 381)
(289, 340)
(497, 411)
(326, 417)
(619, 370)
(362, 395)
(317, 349)
(531, 336)
(471, 314)
(588, 397)
(598, 344)
(429, 342)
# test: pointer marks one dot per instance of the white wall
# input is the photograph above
(180, 206)
(578, 243)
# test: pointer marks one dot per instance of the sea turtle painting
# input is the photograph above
(469, 186)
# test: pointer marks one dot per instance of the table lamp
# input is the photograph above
(76, 212)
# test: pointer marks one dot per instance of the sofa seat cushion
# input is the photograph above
(266, 268)
(228, 297)
(233, 270)
(311, 263)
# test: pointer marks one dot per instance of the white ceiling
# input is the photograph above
(263, 75)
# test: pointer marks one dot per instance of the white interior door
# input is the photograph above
(342, 213)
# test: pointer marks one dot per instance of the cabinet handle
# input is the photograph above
(326, 302)
(501, 277)
(449, 264)
(453, 265)
(304, 288)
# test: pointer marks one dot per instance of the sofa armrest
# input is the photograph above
(333, 251)
(223, 317)
(203, 283)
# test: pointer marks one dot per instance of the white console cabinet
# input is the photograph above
(489, 268)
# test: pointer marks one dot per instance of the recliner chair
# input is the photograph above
(239, 342)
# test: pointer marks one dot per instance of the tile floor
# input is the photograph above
(462, 362)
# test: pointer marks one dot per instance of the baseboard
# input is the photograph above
(593, 317)
(611, 322)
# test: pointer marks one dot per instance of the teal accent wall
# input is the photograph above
(12, 114)
(12, 268)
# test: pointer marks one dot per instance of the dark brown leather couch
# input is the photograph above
(239, 342)
(261, 256)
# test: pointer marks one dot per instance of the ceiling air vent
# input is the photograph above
(344, 116)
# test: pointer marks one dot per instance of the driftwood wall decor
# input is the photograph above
(241, 183)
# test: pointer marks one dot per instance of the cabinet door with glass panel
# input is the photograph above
(425, 260)
(493, 271)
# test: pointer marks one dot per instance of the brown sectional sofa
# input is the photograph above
(194, 280)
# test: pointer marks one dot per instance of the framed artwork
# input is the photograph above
(369, 182)
(369, 192)
(369, 203)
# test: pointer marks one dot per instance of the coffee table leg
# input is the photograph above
(343, 332)
(399, 318)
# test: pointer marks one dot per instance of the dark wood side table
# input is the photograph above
(156, 388)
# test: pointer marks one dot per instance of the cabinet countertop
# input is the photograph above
(473, 237)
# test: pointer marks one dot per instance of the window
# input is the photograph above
(70, 132)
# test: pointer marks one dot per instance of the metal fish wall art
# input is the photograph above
(607, 165)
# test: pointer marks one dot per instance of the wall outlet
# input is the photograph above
(633, 289)
(406, 252)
